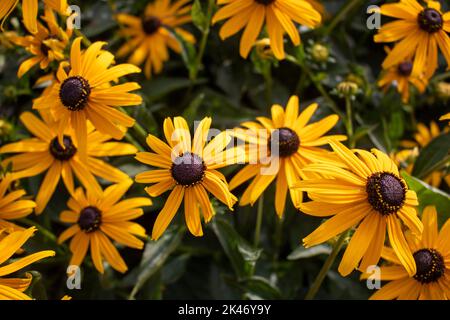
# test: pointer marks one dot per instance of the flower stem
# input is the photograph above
(259, 216)
(349, 6)
(203, 42)
(326, 267)
(349, 121)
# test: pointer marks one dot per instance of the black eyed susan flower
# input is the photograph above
(296, 143)
(44, 152)
(46, 45)
(97, 218)
(422, 138)
(151, 34)
(189, 169)
(279, 16)
(84, 92)
(363, 189)
(30, 10)
(12, 206)
(401, 76)
(431, 254)
(13, 288)
(420, 32)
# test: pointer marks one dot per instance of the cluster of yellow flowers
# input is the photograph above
(80, 112)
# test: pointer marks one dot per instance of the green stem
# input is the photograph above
(269, 82)
(46, 233)
(349, 121)
(349, 6)
(442, 76)
(436, 167)
(203, 42)
(259, 216)
(326, 267)
(84, 39)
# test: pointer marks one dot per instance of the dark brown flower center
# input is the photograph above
(430, 265)
(188, 169)
(405, 68)
(151, 24)
(74, 93)
(430, 20)
(285, 141)
(65, 152)
(386, 192)
(90, 219)
(265, 2)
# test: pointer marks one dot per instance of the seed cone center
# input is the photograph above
(74, 93)
(151, 24)
(430, 20)
(430, 265)
(65, 152)
(90, 219)
(188, 169)
(265, 2)
(285, 140)
(405, 68)
(386, 192)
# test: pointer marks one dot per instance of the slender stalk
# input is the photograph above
(203, 42)
(259, 216)
(326, 267)
(349, 6)
(269, 83)
(436, 167)
(84, 39)
(349, 121)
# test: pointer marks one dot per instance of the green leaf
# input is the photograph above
(190, 113)
(154, 257)
(242, 255)
(260, 288)
(433, 154)
(188, 52)
(199, 18)
(160, 87)
(302, 253)
(428, 195)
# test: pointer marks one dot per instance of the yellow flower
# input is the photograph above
(189, 170)
(279, 16)
(362, 190)
(12, 207)
(420, 31)
(401, 76)
(13, 288)
(432, 257)
(84, 93)
(296, 143)
(30, 11)
(47, 44)
(44, 152)
(152, 34)
(96, 218)
(445, 117)
(422, 138)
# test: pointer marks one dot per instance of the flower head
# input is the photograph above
(151, 34)
(45, 152)
(361, 190)
(279, 148)
(13, 288)
(431, 254)
(279, 16)
(97, 218)
(188, 167)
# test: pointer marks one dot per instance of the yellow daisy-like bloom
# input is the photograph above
(13, 288)
(363, 189)
(422, 138)
(296, 143)
(47, 44)
(189, 169)
(12, 207)
(401, 76)
(151, 34)
(84, 92)
(44, 152)
(30, 11)
(420, 31)
(279, 16)
(96, 218)
(431, 254)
